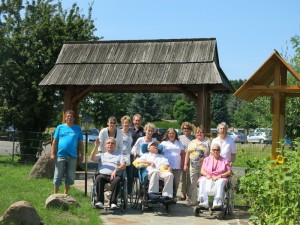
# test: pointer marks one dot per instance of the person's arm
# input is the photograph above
(186, 161)
(233, 156)
(94, 151)
(54, 149)
(119, 168)
(182, 155)
(80, 151)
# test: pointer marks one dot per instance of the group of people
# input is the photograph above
(188, 159)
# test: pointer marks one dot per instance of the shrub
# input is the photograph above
(272, 188)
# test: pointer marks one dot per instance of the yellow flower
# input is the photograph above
(280, 159)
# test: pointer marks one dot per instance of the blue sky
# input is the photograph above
(247, 32)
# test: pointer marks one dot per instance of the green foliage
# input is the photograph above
(31, 37)
(183, 111)
(166, 104)
(145, 104)
(272, 188)
(219, 110)
(14, 180)
(100, 106)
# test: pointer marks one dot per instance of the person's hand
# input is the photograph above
(185, 168)
(216, 177)
(52, 156)
(152, 164)
(208, 176)
(113, 174)
(97, 142)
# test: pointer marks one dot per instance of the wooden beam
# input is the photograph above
(188, 93)
(277, 88)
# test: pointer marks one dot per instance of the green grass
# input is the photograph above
(16, 186)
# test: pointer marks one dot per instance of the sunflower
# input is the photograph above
(280, 159)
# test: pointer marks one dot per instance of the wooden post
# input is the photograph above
(203, 109)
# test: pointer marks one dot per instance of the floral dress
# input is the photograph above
(197, 151)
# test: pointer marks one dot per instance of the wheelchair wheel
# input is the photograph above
(93, 196)
(135, 193)
(230, 204)
(124, 195)
(224, 210)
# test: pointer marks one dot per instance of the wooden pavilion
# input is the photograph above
(271, 80)
(189, 66)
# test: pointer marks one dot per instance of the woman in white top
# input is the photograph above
(228, 148)
(149, 130)
(127, 141)
(111, 131)
(174, 151)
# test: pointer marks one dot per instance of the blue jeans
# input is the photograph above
(65, 166)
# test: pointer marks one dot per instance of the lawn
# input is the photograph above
(16, 186)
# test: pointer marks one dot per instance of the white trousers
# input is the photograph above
(220, 183)
(154, 183)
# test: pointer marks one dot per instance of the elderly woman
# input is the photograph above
(228, 148)
(185, 140)
(111, 131)
(149, 130)
(173, 150)
(215, 168)
(197, 150)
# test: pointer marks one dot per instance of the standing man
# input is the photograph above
(137, 130)
(67, 150)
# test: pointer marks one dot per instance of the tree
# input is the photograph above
(184, 111)
(100, 106)
(145, 104)
(219, 109)
(31, 37)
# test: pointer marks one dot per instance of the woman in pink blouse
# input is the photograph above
(217, 169)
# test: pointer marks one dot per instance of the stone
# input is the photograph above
(43, 168)
(21, 213)
(60, 201)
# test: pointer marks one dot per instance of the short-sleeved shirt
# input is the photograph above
(185, 141)
(103, 135)
(68, 138)
(136, 133)
(157, 159)
(108, 162)
(172, 151)
(198, 150)
(227, 146)
(138, 145)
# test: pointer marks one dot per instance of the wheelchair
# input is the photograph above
(139, 195)
(122, 196)
(227, 201)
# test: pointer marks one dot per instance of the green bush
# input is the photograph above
(272, 188)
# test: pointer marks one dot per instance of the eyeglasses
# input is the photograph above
(110, 143)
(200, 132)
(112, 123)
(216, 149)
(186, 128)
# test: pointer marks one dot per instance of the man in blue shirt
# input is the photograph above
(67, 146)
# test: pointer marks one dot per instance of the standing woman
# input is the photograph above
(228, 148)
(185, 139)
(127, 141)
(111, 131)
(197, 150)
(149, 130)
(173, 150)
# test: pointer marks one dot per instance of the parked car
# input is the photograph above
(259, 137)
(238, 137)
(179, 132)
(93, 134)
(160, 132)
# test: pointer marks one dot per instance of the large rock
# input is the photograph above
(60, 201)
(43, 168)
(21, 213)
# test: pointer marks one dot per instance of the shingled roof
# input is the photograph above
(168, 65)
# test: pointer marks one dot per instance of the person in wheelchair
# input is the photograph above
(217, 169)
(111, 164)
(157, 168)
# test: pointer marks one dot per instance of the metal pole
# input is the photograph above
(86, 163)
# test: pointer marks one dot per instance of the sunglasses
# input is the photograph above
(216, 149)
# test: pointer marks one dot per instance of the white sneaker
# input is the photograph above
(113, 206)
(99, 205)
(203, 203)
(217, 203)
